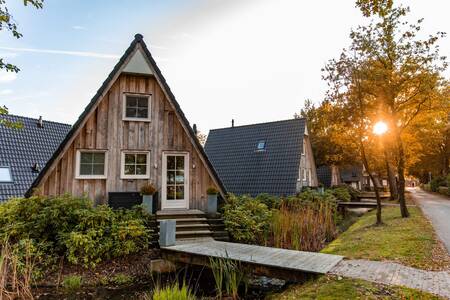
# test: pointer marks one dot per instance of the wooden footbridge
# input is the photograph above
(273, 262)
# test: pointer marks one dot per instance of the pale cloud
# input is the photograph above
(6, 92)
(64, 52)
(7, 77)
(8, 54)
(78, 27)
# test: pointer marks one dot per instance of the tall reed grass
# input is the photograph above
(16, 271)
(303, 227)
(228, 276)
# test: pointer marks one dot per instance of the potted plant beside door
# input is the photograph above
(212, 200)
(147, 192)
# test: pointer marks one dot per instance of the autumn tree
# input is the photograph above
(8, 23)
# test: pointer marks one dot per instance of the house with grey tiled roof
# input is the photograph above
(273, 157)
(24, 151)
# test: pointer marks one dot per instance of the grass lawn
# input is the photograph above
(409, 241)
(330, 287)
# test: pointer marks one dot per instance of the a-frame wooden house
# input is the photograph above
(132, 132)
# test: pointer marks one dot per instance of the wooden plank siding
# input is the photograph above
(105, 130)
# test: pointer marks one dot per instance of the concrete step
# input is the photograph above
(188, 220)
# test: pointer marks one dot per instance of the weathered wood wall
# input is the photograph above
(105, 129)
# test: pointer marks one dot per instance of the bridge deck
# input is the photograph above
(287, 260)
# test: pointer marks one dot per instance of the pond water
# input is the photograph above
(200, 280)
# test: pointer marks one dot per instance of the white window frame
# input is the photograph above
(303, 147)
(124, 107)
(10, 175)
(77, 164)
(122, 165)
(309, 177)
(304, 175)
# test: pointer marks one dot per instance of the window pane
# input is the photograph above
(170, 177)
(131, 113)
(5, 174)
(131, 101)
(98, 169)
(99, 158)
(180, 192)
(142, 113)
(85, 169)
(170, 162)
(180, 162)
(130, 170)
(141, 169)
(86, 157)
(143, 102)
(180, 177)
(130, 159)
(170, 192)
(141, 158)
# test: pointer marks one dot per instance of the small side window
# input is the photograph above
(135, 165)
(5, 175)
(91, 164)
(136, 107)
(261, 145)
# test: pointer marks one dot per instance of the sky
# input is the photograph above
(248, 60)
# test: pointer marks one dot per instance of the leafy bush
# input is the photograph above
(72, 283)
(341, 193)
(436, 182)
(72, 227)
(269, 200)
(121, 279)
(246, 219)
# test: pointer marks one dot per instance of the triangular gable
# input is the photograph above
(137, 59)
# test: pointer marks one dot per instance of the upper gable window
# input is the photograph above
(261, 145)
(136, 107)
(5, 175)
(91, 164)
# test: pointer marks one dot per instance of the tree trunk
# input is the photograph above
(377, 193)
(391, 179)
(401, 177)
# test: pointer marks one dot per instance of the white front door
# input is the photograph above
(175, 180)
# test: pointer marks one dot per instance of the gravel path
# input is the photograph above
(437, 210)
(395, 274)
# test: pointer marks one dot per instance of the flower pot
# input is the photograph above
(147, 202)
(212, 204)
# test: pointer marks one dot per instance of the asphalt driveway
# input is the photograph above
(437, 209)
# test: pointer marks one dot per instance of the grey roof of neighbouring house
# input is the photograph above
(245, 170)
(324, 175)
(21, 148)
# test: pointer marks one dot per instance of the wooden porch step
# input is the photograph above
(187, 220)
(192, 234)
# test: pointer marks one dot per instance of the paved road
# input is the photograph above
(437, 209)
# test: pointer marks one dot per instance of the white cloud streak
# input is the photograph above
(78, 27)
(6, 92)
(7, 77)
(64, 52)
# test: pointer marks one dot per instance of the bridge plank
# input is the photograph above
(309, 262)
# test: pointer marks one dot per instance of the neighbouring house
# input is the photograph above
(354, 176)
(25, 151)
(133, 132)
(273, 157)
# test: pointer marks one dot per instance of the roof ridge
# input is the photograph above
(34, 119)
(256, 124)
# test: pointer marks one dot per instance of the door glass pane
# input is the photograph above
(180, 177)
(180, 192)
(170, 192)
(180, 162)
(170, 177)
(170, 162)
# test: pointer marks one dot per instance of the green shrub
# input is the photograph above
(72, 227)
(246, 219)
(173, 292)
(341, 193)
(121, 279)
(72, 283)
(436, 182)
(269, 200)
